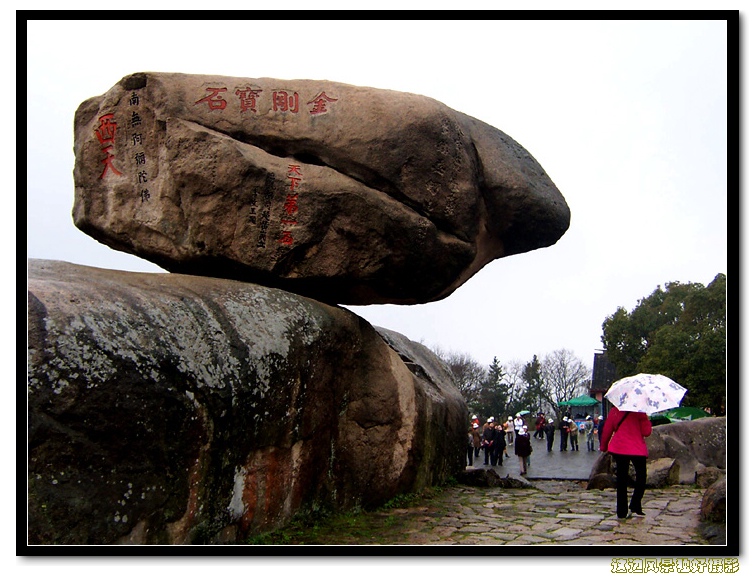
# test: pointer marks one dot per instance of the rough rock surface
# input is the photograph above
(174, 409)
(708, 476)
(694, 444)
(713, 508)
(345, 194)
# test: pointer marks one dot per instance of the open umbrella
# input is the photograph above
(524, 412)
(648, 393)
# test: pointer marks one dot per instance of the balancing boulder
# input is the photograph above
(346, 194)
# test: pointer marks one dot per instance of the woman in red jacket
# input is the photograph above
(623, 437)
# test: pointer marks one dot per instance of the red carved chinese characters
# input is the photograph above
(320, 103)
(215, 101)
(294, 174)
(106, 135)
(106, 130)
(248, 99)
(280, 100)
(290, 206)
(284, 102)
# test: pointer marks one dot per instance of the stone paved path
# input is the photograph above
(558, 513)
(552, 512)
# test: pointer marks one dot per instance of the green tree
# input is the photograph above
(493, 393)
(679, 331)
(534, 395)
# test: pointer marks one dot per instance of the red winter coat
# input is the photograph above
(629, 439)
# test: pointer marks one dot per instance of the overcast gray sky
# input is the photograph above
(628, 118)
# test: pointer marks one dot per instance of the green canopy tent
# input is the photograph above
(584, 400)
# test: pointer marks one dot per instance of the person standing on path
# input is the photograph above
(601, 424)
(522, 448)
(510, 430)
(624, 438)
(573, 435)
(564, 433)
(476, 440)
(540, 426)
(499, 446)
(589, 434)
(488, 432)
(550, 433)
(470, 447)
(518, 423)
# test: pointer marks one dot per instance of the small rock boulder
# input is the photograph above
(345, 194)
(601, 481)
(480, 478)
(662, 472)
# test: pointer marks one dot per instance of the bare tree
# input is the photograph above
(515, 385)
(468, 375)
(564, 377)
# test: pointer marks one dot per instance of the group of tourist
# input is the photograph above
(494, 438)
(571, 431)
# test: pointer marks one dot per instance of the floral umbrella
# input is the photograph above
(648, 393)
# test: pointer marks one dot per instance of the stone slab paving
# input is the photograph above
(550, 513)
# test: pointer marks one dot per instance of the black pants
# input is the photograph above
(564, 441)
(622, 482)
(470, 453)
(549, 442)
(498, 451)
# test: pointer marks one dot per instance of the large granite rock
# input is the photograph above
(166, 408)
(694, 444)
(345, 194)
